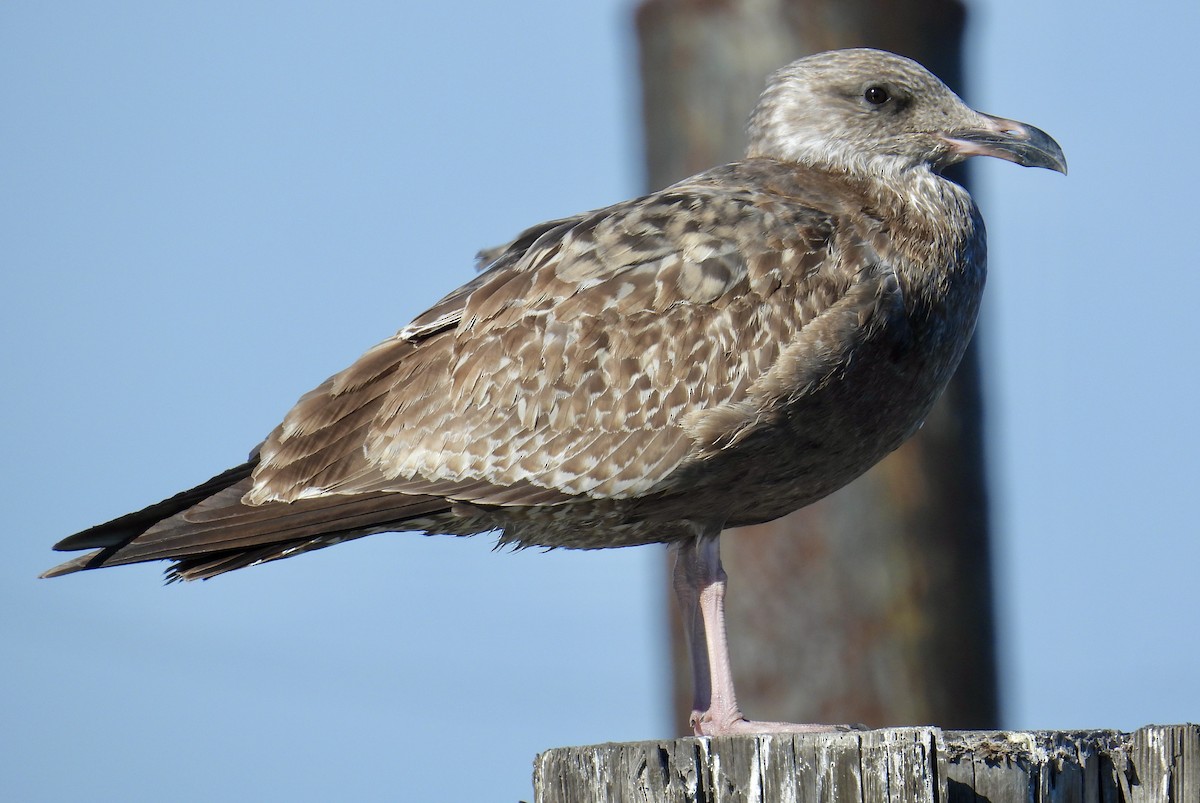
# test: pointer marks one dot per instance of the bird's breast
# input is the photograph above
(875, 396)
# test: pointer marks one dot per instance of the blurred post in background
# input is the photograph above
(875, 604)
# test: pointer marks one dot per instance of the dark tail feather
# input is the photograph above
(89, 561)
(124, 529)
(208, 531)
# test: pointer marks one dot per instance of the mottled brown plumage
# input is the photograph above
(718, 353)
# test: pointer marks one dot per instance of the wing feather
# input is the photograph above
(584, 359)
(603, 356)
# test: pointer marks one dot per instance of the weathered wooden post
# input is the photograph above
(1155, 764)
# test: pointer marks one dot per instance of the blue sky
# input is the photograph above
(207, 209)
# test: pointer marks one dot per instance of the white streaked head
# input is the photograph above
(870, 112)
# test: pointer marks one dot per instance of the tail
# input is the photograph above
(207, 530)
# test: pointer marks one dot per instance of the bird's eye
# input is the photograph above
(876, 95)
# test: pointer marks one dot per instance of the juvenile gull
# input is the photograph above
(718, 353)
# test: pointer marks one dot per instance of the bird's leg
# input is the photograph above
(699, 581)
(687, 592)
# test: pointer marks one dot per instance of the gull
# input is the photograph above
(715, 354)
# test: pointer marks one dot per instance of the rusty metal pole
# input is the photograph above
(873, 605)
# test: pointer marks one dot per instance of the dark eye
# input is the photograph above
(876, 95)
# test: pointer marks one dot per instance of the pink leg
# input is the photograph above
(699, 582)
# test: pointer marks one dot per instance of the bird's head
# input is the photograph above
(871, 112)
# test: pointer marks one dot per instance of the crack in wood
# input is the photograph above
(1155, 764)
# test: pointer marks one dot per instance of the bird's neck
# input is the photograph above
(934, 221)
(931, 235)
(925, 201)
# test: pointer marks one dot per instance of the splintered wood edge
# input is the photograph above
(1151, 765)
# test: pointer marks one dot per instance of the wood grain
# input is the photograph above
(1155, 764)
